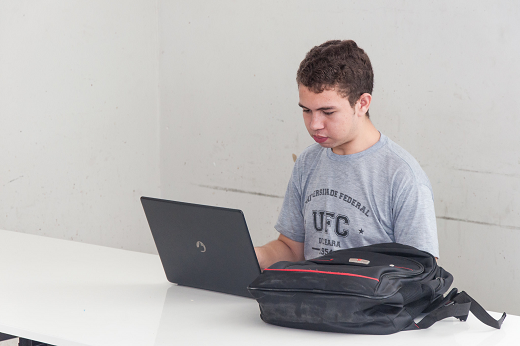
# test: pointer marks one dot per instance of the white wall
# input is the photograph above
(446, 84)
(79, 119)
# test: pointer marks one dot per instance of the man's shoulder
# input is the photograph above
(397, 159)
(310, 154)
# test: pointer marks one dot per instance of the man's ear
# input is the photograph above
(363, 104)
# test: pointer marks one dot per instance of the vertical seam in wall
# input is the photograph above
(158, 86)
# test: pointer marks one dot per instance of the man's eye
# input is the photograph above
(328, 113)
(306, 111)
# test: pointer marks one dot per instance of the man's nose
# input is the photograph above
(316, 122)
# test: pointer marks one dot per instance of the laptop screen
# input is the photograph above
(203, 246)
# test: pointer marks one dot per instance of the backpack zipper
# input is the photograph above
(323, 272)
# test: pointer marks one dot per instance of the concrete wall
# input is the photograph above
(446, 84)
(79, 119)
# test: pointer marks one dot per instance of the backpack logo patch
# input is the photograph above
(359, 260)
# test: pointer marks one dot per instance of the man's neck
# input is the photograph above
(367, 137)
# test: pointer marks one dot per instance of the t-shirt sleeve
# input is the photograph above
(414, 217)
(290, 221)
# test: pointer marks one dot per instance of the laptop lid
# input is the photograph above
(203, 246)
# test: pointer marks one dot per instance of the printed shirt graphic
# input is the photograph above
(379, 195)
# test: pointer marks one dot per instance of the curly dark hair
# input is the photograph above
(339, 65)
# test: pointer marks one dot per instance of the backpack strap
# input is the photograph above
(457, 305)
(479, 312)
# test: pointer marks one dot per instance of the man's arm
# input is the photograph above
(281, 249)
(414, 216)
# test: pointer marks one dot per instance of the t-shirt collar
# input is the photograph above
(378, 145)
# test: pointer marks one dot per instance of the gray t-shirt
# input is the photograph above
(379, 195)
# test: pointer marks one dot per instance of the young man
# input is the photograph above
(355, 186)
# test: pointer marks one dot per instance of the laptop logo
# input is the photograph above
(202, 246)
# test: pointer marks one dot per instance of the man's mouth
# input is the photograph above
(319, 139)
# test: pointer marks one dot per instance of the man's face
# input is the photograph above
(329, 118)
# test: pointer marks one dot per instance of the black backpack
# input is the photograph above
(375, 289)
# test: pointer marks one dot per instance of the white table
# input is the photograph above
(68, 293)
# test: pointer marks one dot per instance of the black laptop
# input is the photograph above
(203, 246)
